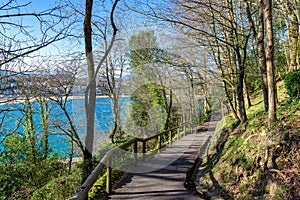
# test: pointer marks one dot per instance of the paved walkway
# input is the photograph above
(163, 175)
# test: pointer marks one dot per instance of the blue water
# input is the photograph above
(60, 143)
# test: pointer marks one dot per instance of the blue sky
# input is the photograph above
(132, 21)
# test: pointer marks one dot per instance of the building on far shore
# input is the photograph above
(33, 83)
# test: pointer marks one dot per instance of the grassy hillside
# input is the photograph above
(252, 161)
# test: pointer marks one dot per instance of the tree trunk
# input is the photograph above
(262, 55)
(246, 94)
(230, 102)
(44, 114)
(270, 63)
(113, 132)
(259, 37)
(293, 40)
(90, 103)
(240, 94)
(90, 92)
(116, 113)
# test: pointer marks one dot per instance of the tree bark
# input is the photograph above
(262, 55)
(230, 102)
(270, 63)
(293, 40)
(90, 92)
(240, 85)
(259, 37)
(246, 94)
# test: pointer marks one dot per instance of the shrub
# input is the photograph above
(62, 187)
(19, 178)
(292, 83)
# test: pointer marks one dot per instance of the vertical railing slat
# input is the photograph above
(135, 148)
(108, 177)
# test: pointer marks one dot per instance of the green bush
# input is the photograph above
(19, 178)
(292, 83)
(59, 188)
(100, 185)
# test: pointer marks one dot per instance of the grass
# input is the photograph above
(255, 160)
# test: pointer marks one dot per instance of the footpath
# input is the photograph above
(162, 176)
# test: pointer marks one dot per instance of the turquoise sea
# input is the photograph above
(12, 117)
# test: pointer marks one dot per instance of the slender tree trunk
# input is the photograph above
(44, 114)
(116, 112)
(90, 93)
(114, 92)
(262, 55)
(113, 132)
(259, 37)
(28, 125)
(293, 40)
(234, 87)
(90, 102)
(240, 94)
(270, 63)
(246, 94)
(230, 102)
(71, 156)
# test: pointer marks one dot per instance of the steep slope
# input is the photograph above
(252, 161)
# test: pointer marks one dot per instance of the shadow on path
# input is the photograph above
(202, 168)
(168, 181)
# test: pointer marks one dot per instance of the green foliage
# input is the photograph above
(143, 99)
(246, 151)
(146, 58)
(100, 185)
(142, 51)
(253, 79)
(292, 83)
(59, 188)
(107, 147)
(21, 173)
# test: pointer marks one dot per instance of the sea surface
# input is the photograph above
(13, 119)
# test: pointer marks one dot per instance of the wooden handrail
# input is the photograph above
(82, 193)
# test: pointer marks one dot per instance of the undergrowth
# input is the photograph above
(253, 161)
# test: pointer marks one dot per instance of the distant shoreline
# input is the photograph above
(8, 100)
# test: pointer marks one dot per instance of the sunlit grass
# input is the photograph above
(245, 151)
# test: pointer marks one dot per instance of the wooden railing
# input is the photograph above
(170, 134)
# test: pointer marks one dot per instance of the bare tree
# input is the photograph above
(258, 33)
(20, 38)
(111, 77)
(93, 70)
(225, 36)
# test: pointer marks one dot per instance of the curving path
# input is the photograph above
(163, 175)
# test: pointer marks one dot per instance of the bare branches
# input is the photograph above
(90, 92)
(113, 39)
(25, 32)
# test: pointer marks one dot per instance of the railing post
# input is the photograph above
(159, 142)
(144, 150)
(108, 177)
(178, 132)
(135, 151)
(184, 129)
(170, 136)
(144, 146)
